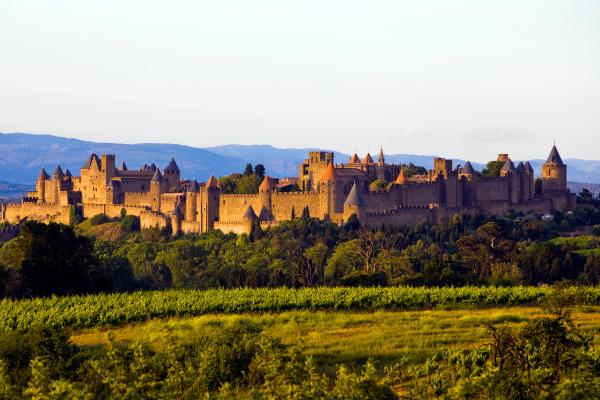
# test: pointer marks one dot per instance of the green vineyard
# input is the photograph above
(76, 312)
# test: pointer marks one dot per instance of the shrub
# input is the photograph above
(99, 219)
(361, 278)
(130, 223)
(596, 230)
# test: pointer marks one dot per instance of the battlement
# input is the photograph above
(420, 197)
(300, 193)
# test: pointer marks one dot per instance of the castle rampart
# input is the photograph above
(331, 191)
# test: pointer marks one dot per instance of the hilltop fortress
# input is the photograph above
(328, 190)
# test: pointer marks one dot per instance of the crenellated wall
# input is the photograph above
(284, 202)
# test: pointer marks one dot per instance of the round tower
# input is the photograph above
(213, 193)
(354, 204)
(57, 178)
(156, 184)
(248, 219)
(554, 173)
(191, 201)
(332, 192)
(265, 193)
(176, 221)
(41, 186)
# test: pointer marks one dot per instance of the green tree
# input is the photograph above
(248, 184)
(259, 170)
(50, 259)
(492, 168)
(412, 169)
(227, 185)
(378, 184)
(248, 170)
(343, 261)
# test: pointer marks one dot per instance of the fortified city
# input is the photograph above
(328, 190)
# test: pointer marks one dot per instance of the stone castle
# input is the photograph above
(328, 190)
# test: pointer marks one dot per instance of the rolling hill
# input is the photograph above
(22, 155)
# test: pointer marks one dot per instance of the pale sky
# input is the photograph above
(463, 79)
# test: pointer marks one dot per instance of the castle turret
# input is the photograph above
(172, 176)
(57, 178)
(331, 192)
(354, 204)
(176, 221)
(191, 201)
(123, 166)
(381, 159)
(107, 166)
(441, 166)
(554, 173)
(401, 179)
(213, 193)
(530, 179)
(265, 193)
(248, 219)
(468, 171)
(156, 185)
(368, 160)
(43, 177)
(113, 191)
(509, 171)
(354, 159)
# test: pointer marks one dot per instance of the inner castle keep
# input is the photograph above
(328, 190)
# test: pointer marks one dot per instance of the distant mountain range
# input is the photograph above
(22, 156)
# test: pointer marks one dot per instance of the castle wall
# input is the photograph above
(402, 216)
(383, 199)
(282, 204)
(233, 206)
(423, 193)
(150, 219)
(37, 212)
(137, 199)
(493, 189)
(239, 228)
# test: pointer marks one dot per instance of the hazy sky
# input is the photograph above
(462, 79)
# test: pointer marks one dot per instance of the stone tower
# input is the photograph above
(441, 166)
(331, 191)
(213, 192)
(57, 178)
(172, 174)
(107, 166)
(191, 202)
(554, 173)
(176, 221)
(41, 186)
(265, 193)
(248, 219)
(156, 184)
(354, 204)
(509, 171)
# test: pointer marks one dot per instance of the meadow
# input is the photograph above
(351, 338)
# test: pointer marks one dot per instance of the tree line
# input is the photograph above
(306, 252)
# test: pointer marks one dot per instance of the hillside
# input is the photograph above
(22, 155)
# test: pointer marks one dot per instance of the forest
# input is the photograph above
(306, 252)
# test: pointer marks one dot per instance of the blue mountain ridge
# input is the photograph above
(22, 155)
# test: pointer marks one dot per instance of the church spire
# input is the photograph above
(381, 159)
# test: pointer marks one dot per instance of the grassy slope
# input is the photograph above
(351, 337)
(106, 231)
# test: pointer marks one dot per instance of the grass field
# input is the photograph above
(350, 337)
